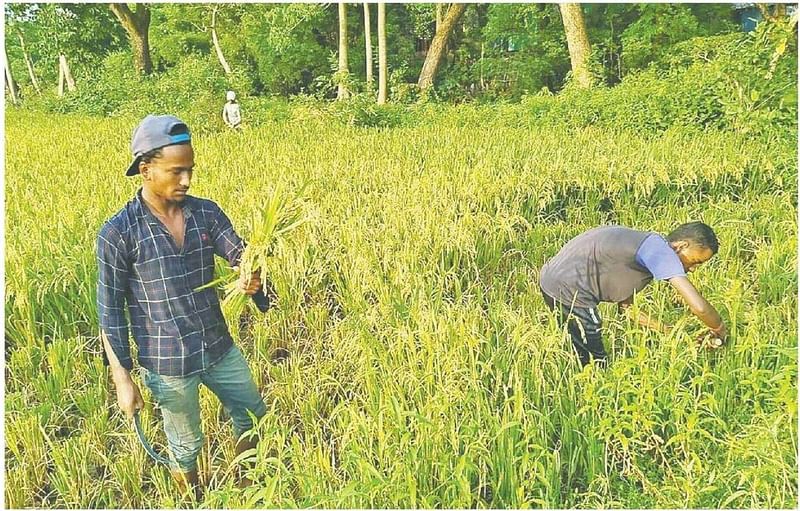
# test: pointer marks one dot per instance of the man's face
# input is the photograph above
(170, 175)
(691, 254)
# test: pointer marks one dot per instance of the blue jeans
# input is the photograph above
(178, 397)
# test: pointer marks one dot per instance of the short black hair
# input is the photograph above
(697, 233)
(150, 155)
(177, 129)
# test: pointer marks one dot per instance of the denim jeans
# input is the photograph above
(178, 397)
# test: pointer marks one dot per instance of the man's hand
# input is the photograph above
(250, 284)
(721, 332)
(710, 339)
(129, 398)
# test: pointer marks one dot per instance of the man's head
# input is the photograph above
(163, 155)
(695, 243)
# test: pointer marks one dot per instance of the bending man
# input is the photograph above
(610, 264)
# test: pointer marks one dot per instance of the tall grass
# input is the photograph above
(423, 369)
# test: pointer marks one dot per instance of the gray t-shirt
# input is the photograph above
(600, 265)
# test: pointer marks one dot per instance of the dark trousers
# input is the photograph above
(585, 328)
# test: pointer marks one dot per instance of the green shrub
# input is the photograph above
(361, 110)
(194, 90)
(741, 82)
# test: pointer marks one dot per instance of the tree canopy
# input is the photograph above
(494, 51)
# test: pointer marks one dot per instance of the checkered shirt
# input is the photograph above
(178, 331)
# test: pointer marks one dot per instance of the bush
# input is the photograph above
(741, 82)
(361, 110)
(193, 90)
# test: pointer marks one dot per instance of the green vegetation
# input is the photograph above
(409, 360)
(423, 369)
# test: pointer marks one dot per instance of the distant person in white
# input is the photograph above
(231, 113)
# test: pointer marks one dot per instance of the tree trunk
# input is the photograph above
(440, 9)
(66, 74)
(382, 67)
(368, 43)
(136, 25)
(10, 84)
(215, 40)
(60, 78)
(28, 63)
(343, 71)
(483, 82)
(436, 51)
(577, 42)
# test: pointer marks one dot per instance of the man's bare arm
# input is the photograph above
(129, 398)
(700, 306)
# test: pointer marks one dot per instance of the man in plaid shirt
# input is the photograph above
(152, 255)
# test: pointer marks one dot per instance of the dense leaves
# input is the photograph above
(496, 51)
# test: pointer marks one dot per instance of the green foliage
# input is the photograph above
(84, 33)
(658, 27)
(194, 90)
(625, 38)
(286, 44)
(178, 30)
(524, 50)
(742, 82)
(498, 51)
(361, 110)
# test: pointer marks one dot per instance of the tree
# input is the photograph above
(368, 43)
(524, 50)
(10, 84)
(288, 46)
(577, 42)
(64, 74)
(382, 53)
(436, 51)
(28, 62)
(215, 40)
(343, 71)
(137, 25)
(83, 33)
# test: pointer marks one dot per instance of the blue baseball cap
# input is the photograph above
(155, 132)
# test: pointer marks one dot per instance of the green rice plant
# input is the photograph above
(412, 362)
(267, 227)
(26, 457)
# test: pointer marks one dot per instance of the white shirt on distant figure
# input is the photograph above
(231, 114)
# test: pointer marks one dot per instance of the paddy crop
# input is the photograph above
(418, 364)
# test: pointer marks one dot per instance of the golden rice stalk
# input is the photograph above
(268, 223)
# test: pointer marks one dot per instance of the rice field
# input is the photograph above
(410, 360)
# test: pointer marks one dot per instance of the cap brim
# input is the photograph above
(134, 168)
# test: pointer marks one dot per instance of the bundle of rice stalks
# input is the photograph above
(268, 225)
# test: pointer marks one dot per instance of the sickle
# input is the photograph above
(137, 424)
